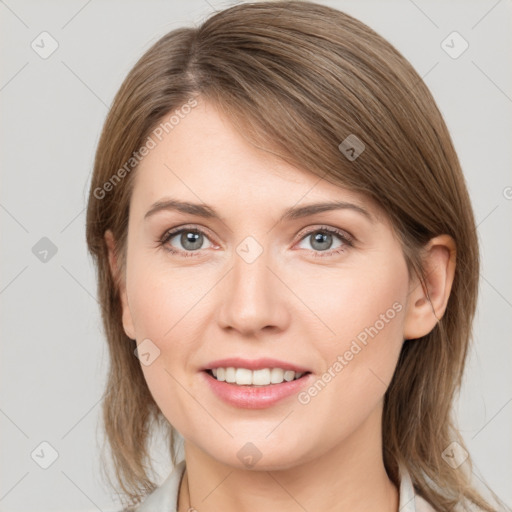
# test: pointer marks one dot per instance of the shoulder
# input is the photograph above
(165, 497)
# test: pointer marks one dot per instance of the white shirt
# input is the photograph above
(165, 497)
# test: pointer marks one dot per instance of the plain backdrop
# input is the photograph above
(53, 359)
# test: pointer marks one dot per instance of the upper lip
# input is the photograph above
(254, 364)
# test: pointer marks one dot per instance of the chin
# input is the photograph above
(261, 456)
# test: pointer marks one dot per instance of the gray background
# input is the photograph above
(53, 359)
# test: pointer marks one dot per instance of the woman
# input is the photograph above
(287, 268)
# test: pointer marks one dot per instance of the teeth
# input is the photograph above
(263, 377)
(243, 376)
(230, 375)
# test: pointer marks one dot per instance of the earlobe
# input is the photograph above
(116, 275)
(427, 301)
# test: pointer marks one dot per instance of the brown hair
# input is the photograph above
(297, 78)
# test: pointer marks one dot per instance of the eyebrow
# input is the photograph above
(295, 212)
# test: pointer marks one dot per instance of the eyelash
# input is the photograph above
(345, 238)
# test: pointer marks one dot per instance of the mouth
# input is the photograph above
(255, 383)
(254, 378)
(259, 388)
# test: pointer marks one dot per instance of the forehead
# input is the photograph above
(205, 158)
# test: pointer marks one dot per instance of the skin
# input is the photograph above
(288, 304)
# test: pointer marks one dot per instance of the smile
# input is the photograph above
(255, 396)
(261, 377)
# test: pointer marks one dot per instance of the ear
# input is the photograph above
(427, 301)
(115, 271)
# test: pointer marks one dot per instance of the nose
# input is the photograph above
(252, 298)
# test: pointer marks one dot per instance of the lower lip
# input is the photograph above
(255, 397)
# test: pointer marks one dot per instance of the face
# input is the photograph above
(323, 291)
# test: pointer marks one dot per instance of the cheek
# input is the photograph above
(167, 312)
(344, 302)
(163, 327)
(163, 299)
(364, 313)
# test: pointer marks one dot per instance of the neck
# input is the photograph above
(349, 477)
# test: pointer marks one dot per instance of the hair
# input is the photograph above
(298, 78)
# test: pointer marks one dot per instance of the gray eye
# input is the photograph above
(189, 240)
(321, 241)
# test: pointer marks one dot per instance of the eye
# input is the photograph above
(185, 240)
(329, 240)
